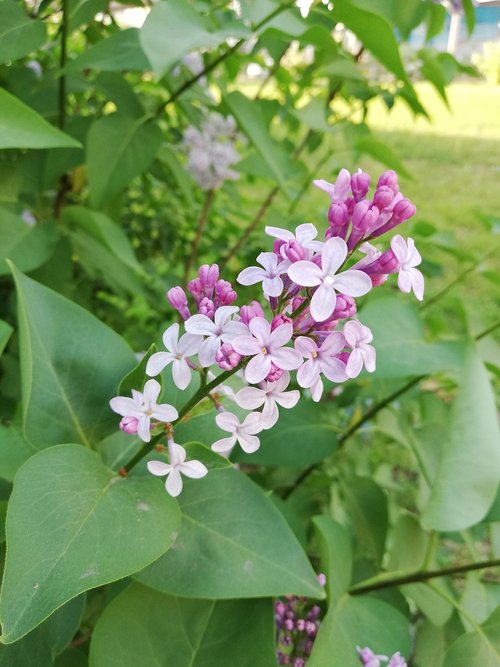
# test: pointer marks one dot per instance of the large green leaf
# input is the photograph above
(477, 649)
(118, 148)
(336, 556)
(74, 524)
(41, 645)
(302, 436)
(71, 365)
(14, 451)
(174, 28)
(5, 334)
(399, 338)
(469, 468)
(21, 127)
(144, 627)
(19, 35)
(359, 621)
(233, 543)
(27, 246)
(251, 121)
(121, 51)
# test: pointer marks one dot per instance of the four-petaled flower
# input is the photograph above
(320, 359)
(351, 282)
(270, 396)
(221, 330)
(242, 432)
(304, 235)
(266, 347)
(358, 336)
(143, 407)
(177, 466)
(272, 284)
(409, 278)
(178, 351)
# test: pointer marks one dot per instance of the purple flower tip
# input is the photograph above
(226, 357)
(129, 425)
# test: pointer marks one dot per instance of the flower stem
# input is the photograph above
(209, 197)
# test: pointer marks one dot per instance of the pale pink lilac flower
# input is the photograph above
(143, 407)
(270, 396)
(358, 337)
(241, 432)
(178, 466)
(397, 660)
(338, 190)
(304, 236)
(222, 330)
(308, 274)
(409, 278)
(368, 657)
(371, 255)
(179, 350)
(320, 359)
(266, 348)
(247, 313)
(269, 276)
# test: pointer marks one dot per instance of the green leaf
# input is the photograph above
(302, 436)
(40, 647)
(436, 20)
(174, 28)
(477, 649)
(366, 504)
(19, 35)
(102, 528)
(233, 543)
(469, 469)
(21, 127)
(383, 153)
(470, 15)
(27, 246)
(399, 338)
(71, 365)
(121, 51)
(14, 451)
(144, 627)
(83, 11)
(119, 148)
(336, 556)
(5, 334)
(432, 70)
(359, 621)
(250, 118)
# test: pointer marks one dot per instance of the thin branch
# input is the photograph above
(209, 198)
(419, 577)
(62, 64)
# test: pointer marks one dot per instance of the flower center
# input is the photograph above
(149, 413)
(264, 350)
(328, 281)
(314, 354)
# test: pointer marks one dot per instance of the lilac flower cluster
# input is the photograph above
(310, 287)
(369, 659)
(297, 624)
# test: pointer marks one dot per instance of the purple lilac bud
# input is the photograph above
(178, 300)
(129, 425)
(209, 274)
(383, 197)
(280, 319)
(321, 579)
(206, 307)
(227, 358)
(363, 219)
(389, 178)
(311, 629)
(350, 202)
(274, 374)
(386, 263)
(195, 288)
(314, 613)
(345, 307)
(404, 210)
(360, 184)
(293, 251)
(289, 624)
(247, 313)
(301, 625)
(338, 215)
(224, 293)
(299, 662)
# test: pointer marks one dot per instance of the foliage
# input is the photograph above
(383, 485)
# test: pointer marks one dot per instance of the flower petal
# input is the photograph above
(280, 336)
(224, 445)
(308, 373)
(269, 415)
(279, 233)
(177, 453)
(208, 350)
(170, 337)
(286, 358)
(181, 373)
(126, 407)
(305, 273)
(194, 469)
(333, 343)
(251, 275)
(157, 362)
(143, 428)
(287, 399)
(261, 329)
(246, 345)
(306, 346)
(323, 303)
(189, 344)
(334, 369)
(354, 364)
(269, 261)
(417, 283)
(306, 233)
(405, 280)
(369, 357)
(258, 368)
(333, 255)
(164, 413)
(251, 424)
(317, 390)
(399, 248)
(250, 398)
(353, 282)
(152, 390)
(158, 468)
(248, 443)
(201, 325)
(223, 314)
(227, 421)
(272, 286)
(173, 484)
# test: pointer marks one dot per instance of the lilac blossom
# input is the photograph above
(178, 466)
(338, 190)
(143, 407)
(304, 236)
(270, 396)
(409, 277)
(397, 660)
(368, 657)
(179, 350)
(358, 337)
(241, 432)
(351, 282)
(222, 330)
(320, 359)
(272, 284)
(266, 347)
(178, 300)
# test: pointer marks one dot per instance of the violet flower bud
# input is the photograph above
(206, 307)
(383, 197)
(311, 629)
(195, 288)
(345, 307)
(404, 210)
(363, 219)
(301, 624)
(247, 313)
(274, 374)
(289, 624)
(280, 319)
(314, 613)
(178, 300)
(226, 357)
(129, 425)
(321, 579)
(209, 274)
(294, 251)
(224, 293)
(350, 202)
(338, 215)
(389, 178)
(277, 245)
(360, 184)
(299, 662)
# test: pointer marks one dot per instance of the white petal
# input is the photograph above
(279, 233)
(194, 469)
(287, 399)
(333, 255)
(250, 398)
(181, 373)
(269, 261)
(323, 303)
(399, 248)
(353, 283)
(414, 257)
(306, 346)
(269, 415)
(405, 280)
(280, 385)
(170, 337)
(258, 368)
(333, 343)
(251, 424)
(353, 332)
(152, 390)
(306, 233)
(369, 357)
(173, 484)
(201, 325)
(286, 358)
(261, 329)
(164, 413)
(329, 188)
(225, 445)
(308, 373)
(189, 344)
(246, 345)
(280, 336)
(305, 273)
(272, 286)
(158, 468)
(143, 429)
(342, 184)
(334, 370)
(251, 275)
(223, 314)
(317, 390)
(208, 350)
(157, 362)
(233, 329)
(177, 454)
(248, 443)
(138, 396)
(417, 284)
(354, 363)
(126, 407)
(227, 421)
